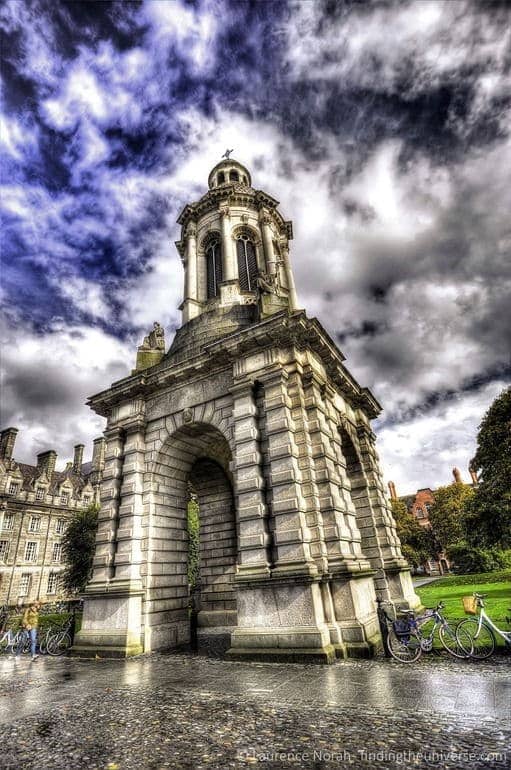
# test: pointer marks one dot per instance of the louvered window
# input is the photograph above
(247, 263)
(214, 268)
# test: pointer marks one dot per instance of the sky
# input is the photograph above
(383, 128)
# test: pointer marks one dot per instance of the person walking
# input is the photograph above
(30, 624)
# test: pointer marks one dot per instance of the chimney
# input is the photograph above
(457, 476)
(7, 439)
(46, 461)
(98, 454)
(78, 459)
(392, 490)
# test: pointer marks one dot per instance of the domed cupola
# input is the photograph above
(229, 171)
(235, 250)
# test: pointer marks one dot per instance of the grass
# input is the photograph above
(450, 590)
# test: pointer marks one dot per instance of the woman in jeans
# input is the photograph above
(30, 623)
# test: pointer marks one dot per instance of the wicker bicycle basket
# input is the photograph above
(470, 605)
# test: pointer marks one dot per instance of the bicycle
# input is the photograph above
(59, 642)
(481, 629)
(406, 640)
(10, 641)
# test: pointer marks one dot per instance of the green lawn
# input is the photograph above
(451, 589)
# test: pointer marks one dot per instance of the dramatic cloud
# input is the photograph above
(382, 127)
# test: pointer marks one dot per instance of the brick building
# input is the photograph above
(36, 503)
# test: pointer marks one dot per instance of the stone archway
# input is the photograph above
(199, 456)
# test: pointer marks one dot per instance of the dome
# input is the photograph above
(229, 171)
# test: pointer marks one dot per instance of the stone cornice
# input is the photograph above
(235, 195)
(279, 330)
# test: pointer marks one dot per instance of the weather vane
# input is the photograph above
(227, 153)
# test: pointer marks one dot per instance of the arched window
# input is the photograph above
(221, 177)
(213, 267)
(247, 263)
(234, 176)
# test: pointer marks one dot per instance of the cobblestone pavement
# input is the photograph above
(181, 711)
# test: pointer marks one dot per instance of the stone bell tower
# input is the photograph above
(252, 408)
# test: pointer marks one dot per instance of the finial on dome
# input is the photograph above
(227, 153)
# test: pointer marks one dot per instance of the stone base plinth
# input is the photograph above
(111, 624)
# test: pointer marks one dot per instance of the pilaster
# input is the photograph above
(254, 538)
(291, 534)
(103, 563)
(228, 264)
(128, 556)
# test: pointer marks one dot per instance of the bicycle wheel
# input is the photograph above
(457, 642)
(482, 639)
(59, 644)
(405, 649)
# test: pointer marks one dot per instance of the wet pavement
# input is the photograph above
(182, 711)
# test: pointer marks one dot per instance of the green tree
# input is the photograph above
(78, 545)
(488, 521)
(417, 542)
(447, 514)
(193, 543)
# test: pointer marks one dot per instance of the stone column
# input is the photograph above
(396, 568)
(271, 263)
(229, 271)
(291, 534)
(190, 305)
(310, 490)
(254, 538)
(112, 613)
(293, 297)
(341, 533)
(128, 556)
(103, 564)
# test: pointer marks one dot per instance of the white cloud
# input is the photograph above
(46, 380)
(423, 451)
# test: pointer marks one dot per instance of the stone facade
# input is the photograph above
(36, 503)
(253, 408)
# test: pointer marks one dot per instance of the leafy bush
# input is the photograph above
(78, 544)
(193, 543)
(469, 560)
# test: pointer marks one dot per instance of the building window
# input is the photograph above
(86, 499)
(39, 493)
(53, 583)
(31, 551)
(419, 512)
(213, 267)
(8, 522)
(234, 176)
(60, 526)
(24, 584)
(247, 263)
(57, 552)
(4, 550)
(427, 506)
(14, 488)
(221, 177)
(64, 498)
(34, 525)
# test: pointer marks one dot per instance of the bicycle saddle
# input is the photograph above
(480, 596)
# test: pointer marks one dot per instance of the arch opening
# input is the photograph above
(360, 498)
(193, 464)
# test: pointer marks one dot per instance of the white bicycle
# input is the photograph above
(481, 629)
